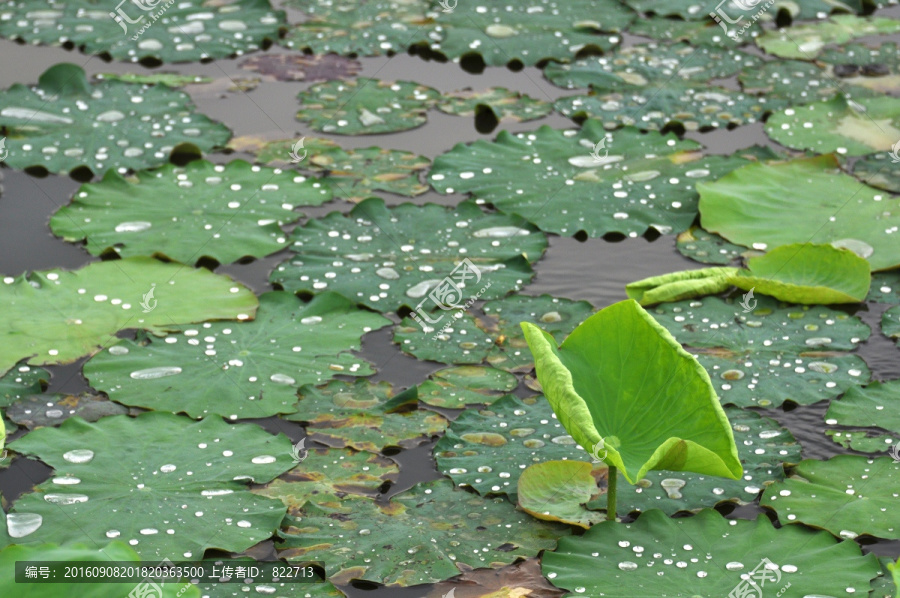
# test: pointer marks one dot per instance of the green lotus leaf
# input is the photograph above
(847, 495)
(169, 79)
(118, 125)
(885, 287)
(680, 285)
(460, 386)
(427, 534)
(326, 476)
(241, 369)
(709, 248)
(763, 447)
(796, 81)
(855, 66)
(750, 205)
(365, 106)
(90, 305)
(885, 585)
(596, 389)
(807, 40)
(187, 31)
(498, 339)
(761, 353)
(849, 127)
(558, 491)
(890, 323)
(707, 555)
(81, 553)
(590, 180)
(794, 9)
(227, 211)
(37, 411)
(387, 257)
(487, 449)
(22, 382)
(168, 461)
(878, 170)
(306, 590)
(502, 103)
(353, 174)
(364, 415)
(701, 33)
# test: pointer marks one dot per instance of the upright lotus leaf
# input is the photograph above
(223, 211)
(240, 370)
(502, 33)
(118, 125)
(326, 476)
(807, 40)
(589, 179)
(708, 248)
(57, 316)
(502, 103)
(598, 389)
(428, 533)
(890, 323)
(651, 63)
(872, 406)
(808, 274)
(460, 386)
(186, 31)
(497, 339)
(558, 491)
(365, 106)
(81, 553)
(387, 257)
(352, 174)
(857, 65)
(178, 487)
(680, 285)
(750, 205)
(885, 287)
(848, 495)
(707, 555)
(763, 446)
(350, 27)
(849, 127)
(759, 352)
(22, 382)
(743, 9)
(364, 415)
(488, 449)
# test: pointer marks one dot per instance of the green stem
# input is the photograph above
(611, 480)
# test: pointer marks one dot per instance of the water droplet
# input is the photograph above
(732, 375)
(263, 459)
(734, 566)
(19, 525)
(282, 379)
(860, 248)
(672, 486)
(311, 320)
(500, 232)
(79, 456)
(113, 533)
(818, 341)
(66, 480)
(157, 372)
(133, 227)
(65, 499)
(627, 566)
(823, 367)
(387, 273)
(498, 30)
(167, 468)
(550, 317)
(566, 439)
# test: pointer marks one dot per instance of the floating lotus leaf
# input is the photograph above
(701, 33)
(364, 415)
(503, 103)
(885, 287)
(22, 382)
(186, 31)
(300, 67)
(80, 553)
(100, 491)
(289, 588)
(707, 555)
(501, 33)
(239, 370)
(750, 205)
(461, 339)
(168, 79)
(353, 174)
(796, 81)
(387, 257)
(708, 248)
(42, 410)
(846, 495)
(365, 106)
(770, 353)
(885, 586)
(596, 387)
(890, 323)
(558, 490)
(460, 386)
(589, 179)
(326, 476)
(795, 9)
(861, 66)
(489, 448)
(763, 446)
(807, 40)
(90, 305)
(878, 170)
(64, 122)
(224, 211)
(848, 127)
(424, 535)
